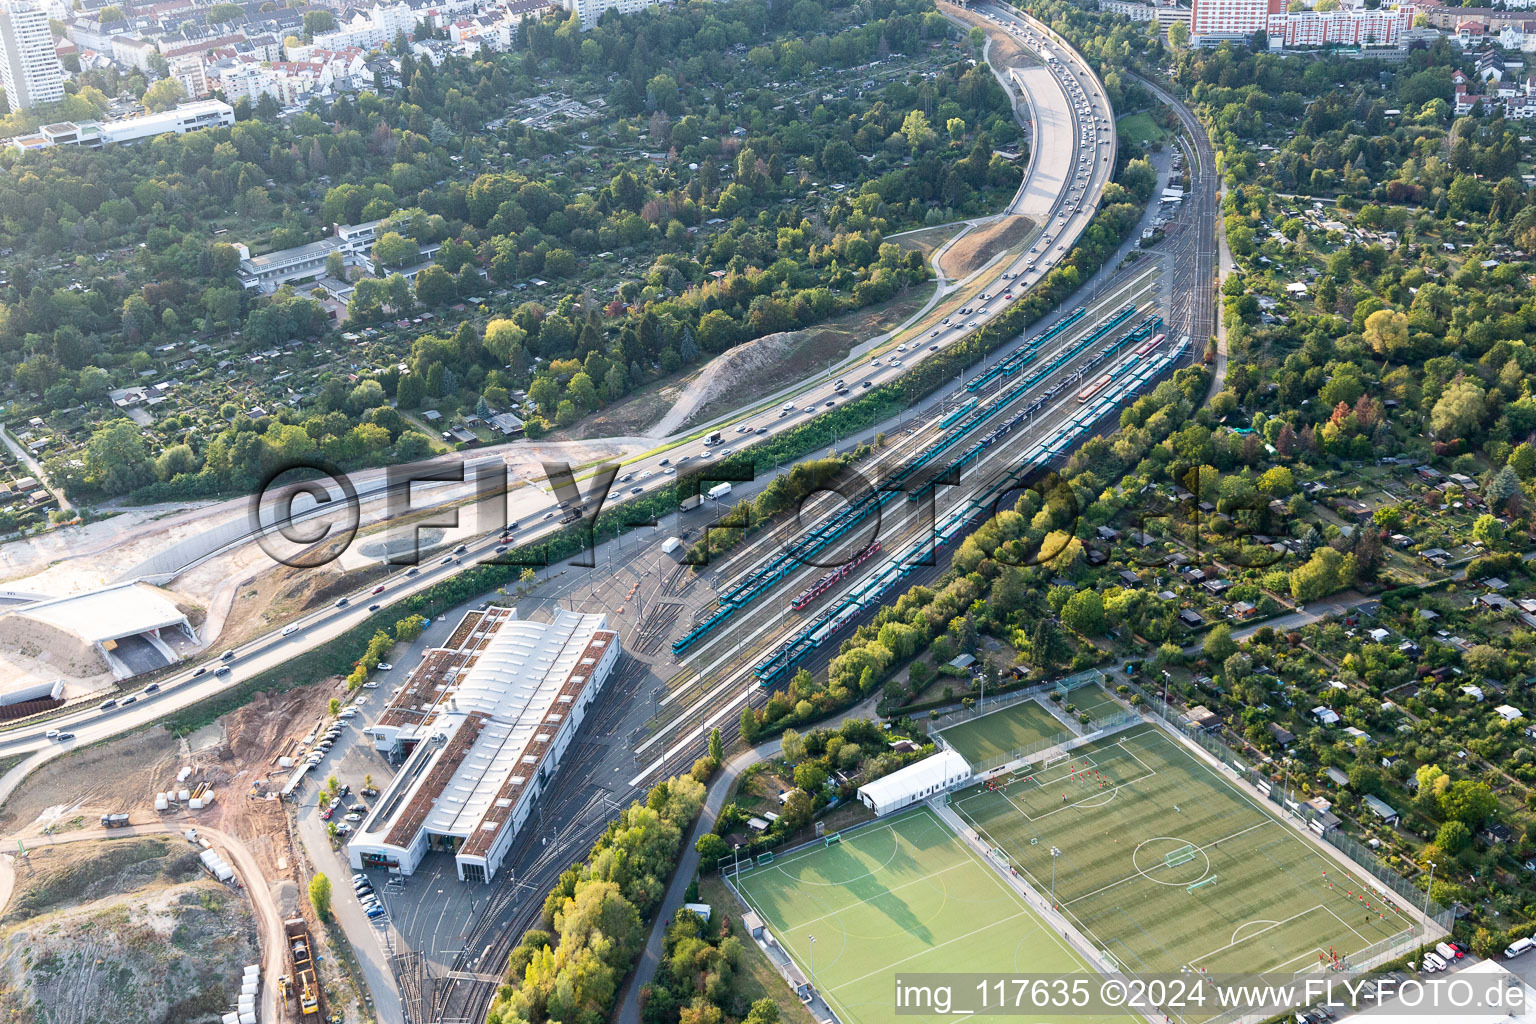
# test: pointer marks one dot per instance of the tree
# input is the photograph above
(320, 896)
(1046, 646)
(1453, 836)
(164, 94)
(394, 251)
(1178, 35)
(917, 130)
(748, 727)
(810, 777)
(1504, 486)
(434, 287)
(1386, 331)
(716, 746)
(1325, 572)
(1469, 802)
(711, 848)
(798, 810)
(1459, 409)
(1219, 645)
(1488, 530)
(1084, 612)
(116, 458)
(1523, 460)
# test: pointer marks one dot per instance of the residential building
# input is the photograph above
(1212, 21)
(1215, 21)
(29, 64)
(589, 11)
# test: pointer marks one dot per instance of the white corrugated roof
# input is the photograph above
(514, 682)
(915, 778)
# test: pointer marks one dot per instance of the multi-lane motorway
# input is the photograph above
(1091, 143)
(715, 680)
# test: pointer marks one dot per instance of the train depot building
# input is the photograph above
(479, 729)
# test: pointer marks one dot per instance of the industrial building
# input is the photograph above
(479, 729)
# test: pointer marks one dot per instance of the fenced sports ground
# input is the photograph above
(1023, 726)
(901, 895)
(1165, 865)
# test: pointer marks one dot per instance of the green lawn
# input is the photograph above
(982, 740)
(899, 897)
(1166, 864)
(1139, 128)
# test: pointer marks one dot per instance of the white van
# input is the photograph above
(1520, 946)
(1447, 952)
(1433, 963)
(788, 407)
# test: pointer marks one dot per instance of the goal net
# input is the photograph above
(1183, 855)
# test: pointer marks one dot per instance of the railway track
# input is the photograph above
(705, 695)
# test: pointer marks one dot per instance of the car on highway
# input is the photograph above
(202, 671)
(227, 656)
(130, 699)
(152, 688)
(291, 628)
(868, 384)
(51, 734)
(65, 737)
(413, 570)
(549, 515)
(342, 602)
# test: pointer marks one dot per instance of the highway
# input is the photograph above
(723, 682)
(535, 510)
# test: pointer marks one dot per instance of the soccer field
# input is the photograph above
(998, 732)
(1165, 864)
(902, 896)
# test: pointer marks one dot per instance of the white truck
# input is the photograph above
(719, 491)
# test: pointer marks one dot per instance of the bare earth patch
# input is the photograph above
(101, 779)
(802, 353)
(972, 252)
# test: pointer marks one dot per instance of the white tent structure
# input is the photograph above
(916, 782)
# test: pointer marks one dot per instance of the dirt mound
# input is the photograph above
(48, 645)
(122, 931)
(723, 374)
(976, 247)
